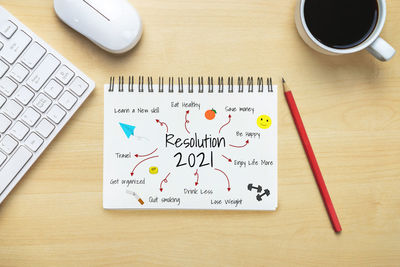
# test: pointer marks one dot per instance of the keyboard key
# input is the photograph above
(34, 142)
(2, 158)
(24, 95)
(19, 73)
(45, 128)
(67, 100)
(53, 89)
(42, 102)
(79, 86)
(4, 123)
(7, 28)
(30, 116)
(56, 114)
(43, 72)
(3, 68)
(7, 86)
(32, 56)
(2, 100)
(8, 144)
(19, 130)
(12, 109)
(14, 166)
(15, 46)
(64, 74)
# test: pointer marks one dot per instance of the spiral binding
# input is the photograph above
(190, 84)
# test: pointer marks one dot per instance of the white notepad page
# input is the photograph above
(182, 150)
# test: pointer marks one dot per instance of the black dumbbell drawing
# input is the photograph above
(259, 196)
(251, 187)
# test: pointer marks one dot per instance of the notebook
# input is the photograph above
(192, 144)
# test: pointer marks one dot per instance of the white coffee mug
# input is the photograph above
(374, 44)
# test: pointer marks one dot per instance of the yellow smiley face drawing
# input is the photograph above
(264, 122)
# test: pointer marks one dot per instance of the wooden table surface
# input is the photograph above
(350, 106)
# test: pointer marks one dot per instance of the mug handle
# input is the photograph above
(381, 49)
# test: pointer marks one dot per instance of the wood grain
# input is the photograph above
(350, 106)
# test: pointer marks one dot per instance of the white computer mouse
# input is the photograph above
(114, 25)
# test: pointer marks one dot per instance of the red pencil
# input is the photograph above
(311, 158)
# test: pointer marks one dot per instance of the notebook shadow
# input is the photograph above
(193, 213)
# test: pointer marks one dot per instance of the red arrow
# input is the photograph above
(186, 121)
(142, 156)
(229, 160)
(226, 123)
(133, 171)
(164, 181)
(247, 142)
(162, 124)
(229, 184)
(196, 173)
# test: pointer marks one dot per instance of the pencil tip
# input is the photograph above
(284, 85)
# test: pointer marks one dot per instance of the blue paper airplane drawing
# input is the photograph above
(128, 129)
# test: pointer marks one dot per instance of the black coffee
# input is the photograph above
(341, 23)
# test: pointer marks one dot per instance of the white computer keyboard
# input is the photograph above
(39, 92)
